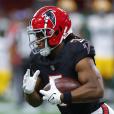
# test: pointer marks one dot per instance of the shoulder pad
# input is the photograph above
(81, 48)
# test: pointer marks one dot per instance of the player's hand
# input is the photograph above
(29, 82)
(52, 95)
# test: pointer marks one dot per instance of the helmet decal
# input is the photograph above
(50, 15)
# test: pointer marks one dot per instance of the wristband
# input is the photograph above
(67, 98)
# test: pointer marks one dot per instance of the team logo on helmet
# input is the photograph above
(50, 15)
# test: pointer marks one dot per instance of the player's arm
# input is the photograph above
(31, 86)
(91, 88)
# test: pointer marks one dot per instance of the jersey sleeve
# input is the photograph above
(81, 48)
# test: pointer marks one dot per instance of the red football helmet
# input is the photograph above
(51, 24)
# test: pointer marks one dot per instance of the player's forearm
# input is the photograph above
(87, 93)
(33, 99)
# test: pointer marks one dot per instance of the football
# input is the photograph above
(64, 84)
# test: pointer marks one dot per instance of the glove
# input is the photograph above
(52, 95)
(29, 82)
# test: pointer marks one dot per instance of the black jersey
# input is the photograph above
(64, 66)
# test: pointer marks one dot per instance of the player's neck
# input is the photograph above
(56, 51)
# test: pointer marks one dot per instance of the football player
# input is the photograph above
(57, 52)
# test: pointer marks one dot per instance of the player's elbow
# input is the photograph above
(97, 90)
(100, 92)
(33, 104)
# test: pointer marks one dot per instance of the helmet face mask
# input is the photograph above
(49, 24)
(39, 35)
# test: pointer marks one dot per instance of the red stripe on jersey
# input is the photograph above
(105, 109)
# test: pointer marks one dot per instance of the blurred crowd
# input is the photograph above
(91, 19)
